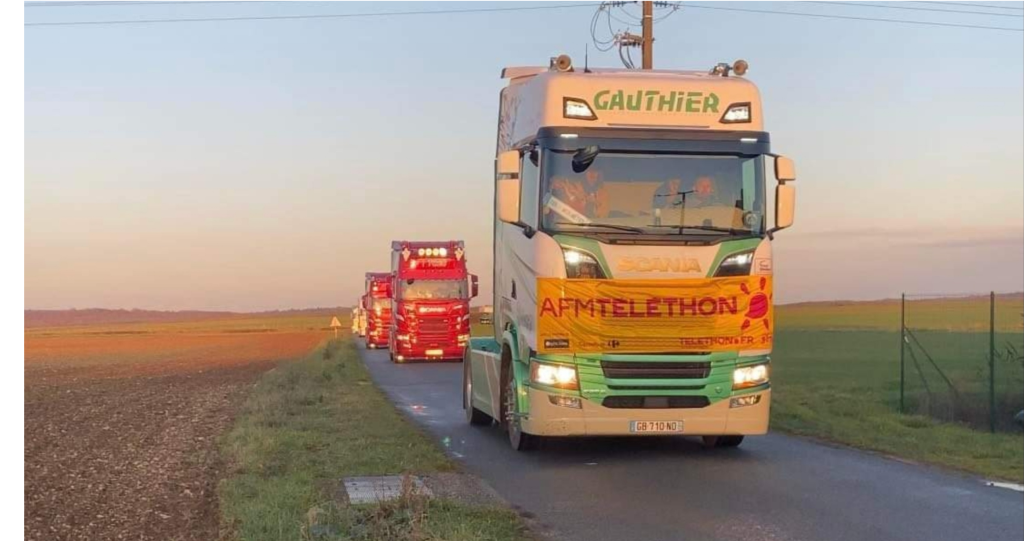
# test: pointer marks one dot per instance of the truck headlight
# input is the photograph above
(580, 264)
(750, 376)
(736, 265)
(554, 375)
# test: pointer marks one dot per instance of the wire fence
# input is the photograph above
(962, 359)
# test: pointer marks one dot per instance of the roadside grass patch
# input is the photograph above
(309, 423)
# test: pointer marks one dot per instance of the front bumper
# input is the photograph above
(593, 419)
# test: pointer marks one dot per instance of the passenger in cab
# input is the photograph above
(585, 195)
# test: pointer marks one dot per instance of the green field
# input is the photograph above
(836, 377)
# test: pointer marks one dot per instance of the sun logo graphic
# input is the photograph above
(759, 304)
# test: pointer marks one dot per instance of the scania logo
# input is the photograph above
(658, 264)
(432, 309)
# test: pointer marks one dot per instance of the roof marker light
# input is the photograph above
(737, 113)
(577, 109)
(748, 139)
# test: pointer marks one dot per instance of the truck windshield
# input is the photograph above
(639, 193)
(381, 304)
(433, 289)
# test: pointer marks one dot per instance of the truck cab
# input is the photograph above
(377, 307)
(486, 315)
(431, 292)
(355, 320)
(632, 256)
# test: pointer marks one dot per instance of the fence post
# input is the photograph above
(903, 333)
(992, 362)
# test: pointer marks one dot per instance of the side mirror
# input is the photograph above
(474, 285)
(785, 206)
(785, 169)
(507, 164)
(583, 157)
(507, 194)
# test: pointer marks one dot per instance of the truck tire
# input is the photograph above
(473, 415)
(519, 440)
(722, 442)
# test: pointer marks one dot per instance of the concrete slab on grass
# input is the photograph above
(362, 490)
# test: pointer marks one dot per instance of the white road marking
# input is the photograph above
(1011, 486)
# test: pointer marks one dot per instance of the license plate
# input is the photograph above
(655, 427)
(437, 352)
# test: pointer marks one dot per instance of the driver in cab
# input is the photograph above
(577, 200)
(670, 193)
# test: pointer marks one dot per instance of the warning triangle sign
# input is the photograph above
(335, 323)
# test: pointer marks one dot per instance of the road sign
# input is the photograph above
(335, 324)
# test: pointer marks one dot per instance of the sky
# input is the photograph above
(254, 165)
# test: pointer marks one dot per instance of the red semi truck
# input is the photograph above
(377, 306)
(431, 292)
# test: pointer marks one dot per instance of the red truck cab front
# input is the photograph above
(377, 304)
(430, 299)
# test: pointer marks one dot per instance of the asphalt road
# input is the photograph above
(775, 487)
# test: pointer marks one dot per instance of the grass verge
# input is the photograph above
(841, 416)
(839, 386)
(305, 426)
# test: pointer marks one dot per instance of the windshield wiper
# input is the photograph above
(628, 228)
(730, 230)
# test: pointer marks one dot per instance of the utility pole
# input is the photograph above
(648, 41)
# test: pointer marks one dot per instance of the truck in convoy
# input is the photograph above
(632, 256)
(377, 306)
(359, 319)
(432, 288)
(487, 314)
(356, 313)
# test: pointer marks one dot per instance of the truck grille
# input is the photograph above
(434, 326)
(667, 370)
(436, 330)
(655, 387)
(655, 402)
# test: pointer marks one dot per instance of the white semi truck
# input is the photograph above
(632, 256)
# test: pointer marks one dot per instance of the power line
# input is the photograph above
(75, 3)
(852, 18)
(524, 8)
(890, 6)
(35, 3)
(971, 4)
(135, 4)
(321, 16)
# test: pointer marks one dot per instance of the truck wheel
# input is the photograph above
(473, 415)
(720, 442)
(519, 440)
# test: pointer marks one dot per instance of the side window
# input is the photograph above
(529, 181)
(749, 182)
(753, 192)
